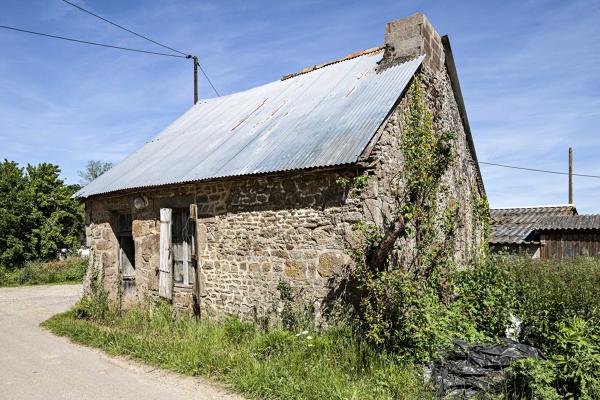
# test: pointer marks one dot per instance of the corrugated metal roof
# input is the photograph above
(517, 225)
(322, 118)
(569, 222)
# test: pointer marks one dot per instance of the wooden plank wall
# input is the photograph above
(570, 244)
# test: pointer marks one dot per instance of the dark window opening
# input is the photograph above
(183, 246)
(126, 245)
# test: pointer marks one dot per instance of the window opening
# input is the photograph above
(126, 245)
(183, 245)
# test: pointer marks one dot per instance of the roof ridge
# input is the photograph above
(528, 207)
(571, 216)
(325, 64)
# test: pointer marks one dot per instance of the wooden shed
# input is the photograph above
(569, 236)
(513, 230)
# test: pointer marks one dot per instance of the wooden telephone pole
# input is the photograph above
(570, 175)
(195, 79)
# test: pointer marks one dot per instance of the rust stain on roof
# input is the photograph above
(373, 50)
(245, 118)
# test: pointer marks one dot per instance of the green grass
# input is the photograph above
(559, 302)
(71, 270)
(270, 365)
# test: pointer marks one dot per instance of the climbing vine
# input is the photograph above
(405, 300)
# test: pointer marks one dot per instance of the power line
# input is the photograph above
(538, 170)
(208, 79)
(127, 30)
(187, 55)
(90, 43)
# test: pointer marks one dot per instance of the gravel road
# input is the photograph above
(34, 364)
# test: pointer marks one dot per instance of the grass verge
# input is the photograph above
(71, 270)
(272, 365)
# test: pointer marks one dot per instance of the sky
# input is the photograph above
(529, 72)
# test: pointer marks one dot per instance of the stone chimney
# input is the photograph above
(411, 37)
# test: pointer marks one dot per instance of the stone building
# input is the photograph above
(241, 193)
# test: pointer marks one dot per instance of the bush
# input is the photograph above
(576, 354)
(44, 272)
(559, 303)
(37, 215)
(91, 308)
(552, 292)
(487, 295)
(529, 378)
(406, 316)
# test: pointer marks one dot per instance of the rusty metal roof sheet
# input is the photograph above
(517, 225)
(324, 117)
(569, 222)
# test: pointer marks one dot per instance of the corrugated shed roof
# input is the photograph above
(322, 118)
(569, 222)
(517, 225)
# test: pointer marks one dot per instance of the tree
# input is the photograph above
(14, 209)
(37, 215)
(93, 169)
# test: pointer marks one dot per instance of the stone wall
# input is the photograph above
(252, 234)
(460, 186)
(255, 233)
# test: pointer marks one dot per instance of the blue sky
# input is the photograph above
(529, 71)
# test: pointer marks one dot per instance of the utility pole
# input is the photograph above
(195, 79)
(570, 175)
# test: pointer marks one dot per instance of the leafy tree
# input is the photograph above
(93, 169)
(14, 211)
(37, 215)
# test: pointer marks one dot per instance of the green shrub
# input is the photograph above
(559, 302)
(296, 312)
(529, 378)
(487, 295)
(38, 217)
(551, 292)
(91, 308)
(576, 354)
(44, 272)
(407, 317)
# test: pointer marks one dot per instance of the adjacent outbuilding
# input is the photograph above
(569, 236)
(546, 232)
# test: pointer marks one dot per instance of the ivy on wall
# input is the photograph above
(405, 303)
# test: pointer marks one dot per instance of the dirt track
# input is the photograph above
(34, 364)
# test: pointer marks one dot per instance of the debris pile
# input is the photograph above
(470, 370)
